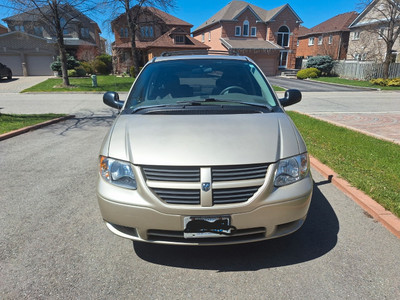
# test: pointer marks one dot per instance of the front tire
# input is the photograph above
(9, 76)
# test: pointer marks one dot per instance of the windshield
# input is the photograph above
(196, 80)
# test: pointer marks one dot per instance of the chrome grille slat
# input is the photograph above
(174, 196)
(230, 173)
(178, 174)
(237, 195)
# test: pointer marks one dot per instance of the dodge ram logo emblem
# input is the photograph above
(205, 186)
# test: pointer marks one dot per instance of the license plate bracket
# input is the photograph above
(206, 226)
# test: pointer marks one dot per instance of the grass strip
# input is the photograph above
(84, 84)
(367, 163)
(358, 83)
(10, 122)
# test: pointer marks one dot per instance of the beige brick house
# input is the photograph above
(266, 36)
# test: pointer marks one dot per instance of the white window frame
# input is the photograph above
(179, 39)
(238, 31)
(283, 34)
(311, 41)
(254, 34)
(246, 25)
(330, 41)
(209, 36)
(320, 40)
(356, 35)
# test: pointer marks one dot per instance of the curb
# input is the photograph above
(346, 85)
(11, 134)
(378, 212)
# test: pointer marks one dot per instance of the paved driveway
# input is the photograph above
(54, 244)
(19, 83)
(309, 85)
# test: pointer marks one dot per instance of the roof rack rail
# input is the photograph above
(199, 52)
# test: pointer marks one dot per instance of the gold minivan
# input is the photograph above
(203, 153)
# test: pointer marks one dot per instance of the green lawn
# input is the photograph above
(370, 164)
(105, 83)
(13, 122)
(360, 83)
(278, 88)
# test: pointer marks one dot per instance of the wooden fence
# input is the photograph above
(362, 70)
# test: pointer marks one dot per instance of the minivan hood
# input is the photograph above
(204, 140)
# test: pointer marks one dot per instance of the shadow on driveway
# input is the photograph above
(317, 237)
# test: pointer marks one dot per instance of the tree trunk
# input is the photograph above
(388, 60)
(64, 68)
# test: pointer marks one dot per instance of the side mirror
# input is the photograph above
(112, 99)
(291, 97)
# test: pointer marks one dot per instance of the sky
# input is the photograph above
(196, 12)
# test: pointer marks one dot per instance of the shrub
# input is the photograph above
(386, 82)
(88, 66)
(323, 63)
(308, 73)
(100, 67)
(71, 63)
(132, 71)
(80, 71)
(107, 59)
(72, 73)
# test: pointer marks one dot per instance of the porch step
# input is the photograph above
(289, 73)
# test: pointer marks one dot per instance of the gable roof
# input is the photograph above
(336, 24)
(35, 15)
(370, 6)
(235, 8)
(165, 17)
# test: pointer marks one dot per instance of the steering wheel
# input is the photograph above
(233, 87)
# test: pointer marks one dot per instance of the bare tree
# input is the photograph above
(56, 15)
(382, 18)
(133, 10)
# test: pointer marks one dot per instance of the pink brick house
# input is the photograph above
(266, 36)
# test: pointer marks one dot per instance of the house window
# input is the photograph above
(298, 43)
(246, 28)
(38, 30)
(124, 32)
(310, 41)
(320, 40)
(283, 36)
(147, 31)
(179, 39)
(203, 38)
(20, 28)
(356, 35)
(238, 31)
(209, 36)
(63, 23)
(85, 32)
(330, 39)
(253, 31)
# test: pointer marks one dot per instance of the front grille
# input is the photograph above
(182, 185)
(178, 174)
(178, 196)
(238, 172)
(237, 195)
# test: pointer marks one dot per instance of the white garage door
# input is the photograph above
(13, 62)
(39, 64)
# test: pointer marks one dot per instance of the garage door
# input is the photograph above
(267, 65)
(39, 64)
(13, 62)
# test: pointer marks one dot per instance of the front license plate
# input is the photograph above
(205, 227)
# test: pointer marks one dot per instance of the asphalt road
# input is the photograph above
(54, 244)
(308, 85)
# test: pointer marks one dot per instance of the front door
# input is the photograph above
(283, 59)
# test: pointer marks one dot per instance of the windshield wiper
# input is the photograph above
(136, 109)
(207, 100)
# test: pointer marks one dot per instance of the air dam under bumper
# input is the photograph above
(257, 223)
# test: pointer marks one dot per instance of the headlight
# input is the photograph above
(292, 169)
(117, 172)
